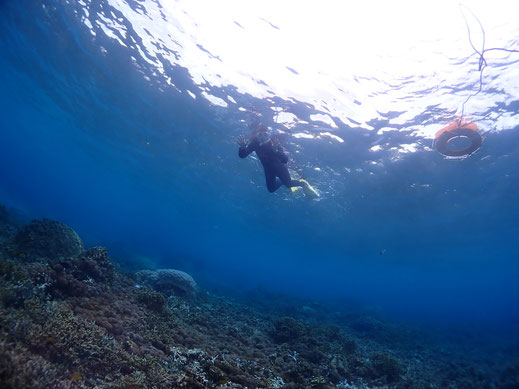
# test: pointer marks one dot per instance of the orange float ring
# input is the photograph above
(457, 130)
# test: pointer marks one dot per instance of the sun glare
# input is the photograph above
(335, 54)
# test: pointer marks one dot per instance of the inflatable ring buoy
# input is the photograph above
(457, 130)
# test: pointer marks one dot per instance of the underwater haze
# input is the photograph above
(120, 119)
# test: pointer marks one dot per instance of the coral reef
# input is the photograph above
(386, 366)
(47, 239)
(169, 282)
(9, 225)
(71, 319)
(288, 329)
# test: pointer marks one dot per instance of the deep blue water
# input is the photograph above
(95, 139)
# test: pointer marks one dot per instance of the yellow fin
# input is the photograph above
(294, 176)
(309, 190)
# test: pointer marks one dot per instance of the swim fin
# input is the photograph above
(294, 176)
(309, 189)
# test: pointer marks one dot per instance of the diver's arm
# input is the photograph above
(246, 149)
(278, 150)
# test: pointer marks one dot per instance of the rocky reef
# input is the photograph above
(71, 319)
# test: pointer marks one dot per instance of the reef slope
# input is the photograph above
(70, 318)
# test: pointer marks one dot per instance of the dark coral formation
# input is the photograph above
(9, 225)
(47, 239)
(75, 321)
(87, 275)
(152, 300)
(386, 366)
(95, 263)
(288, 329)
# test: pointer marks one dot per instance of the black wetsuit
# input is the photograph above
(274, 162)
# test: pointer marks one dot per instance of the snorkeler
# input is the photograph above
(273, 158)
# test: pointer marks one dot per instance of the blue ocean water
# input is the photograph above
(104, 135)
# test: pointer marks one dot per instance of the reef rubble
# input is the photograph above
(70, 318)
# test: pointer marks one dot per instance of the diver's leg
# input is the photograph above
(284, 175)
(273, 183)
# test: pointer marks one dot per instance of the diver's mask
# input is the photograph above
(265, 135)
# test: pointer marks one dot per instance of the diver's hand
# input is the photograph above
(241, 141)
